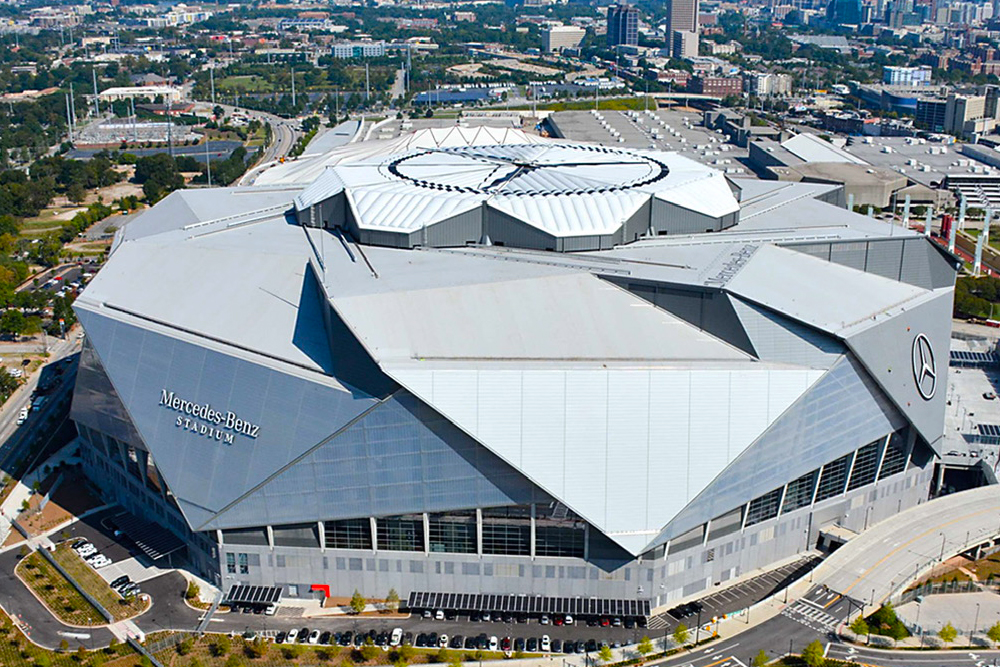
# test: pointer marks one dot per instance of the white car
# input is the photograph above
(15, 372)
(439, 615)
(397, 637)
(314, 637)
(22, 416)
(443, 641)
(546, 643)
(568, 620)
(493, 643)
(292, 634)
(271, 610)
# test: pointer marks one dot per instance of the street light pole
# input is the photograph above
(974, 624)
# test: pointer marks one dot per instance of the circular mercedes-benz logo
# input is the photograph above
(924, 369)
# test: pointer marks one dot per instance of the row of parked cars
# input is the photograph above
(683, 611)
(125, 587)
(544, 619)
(397, 637)
(89, 553)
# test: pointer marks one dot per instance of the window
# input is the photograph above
(764, 507)
(894, 460)
(454, 532)
(507, 531)
(348, 534)
(728, 523)
(244, 564)
(401, 533)
(866, 465)
(800, 491)
(833, 478)
(231, 563)
(693, 537)
(567, 541)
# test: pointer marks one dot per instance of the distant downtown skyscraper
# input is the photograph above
(681, 15)
(623, 25)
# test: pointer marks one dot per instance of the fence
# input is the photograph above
(942, 587)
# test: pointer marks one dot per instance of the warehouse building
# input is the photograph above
(475, 360)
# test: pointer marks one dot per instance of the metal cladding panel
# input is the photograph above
(198, 465)
(399, 458)
(670, 218)
(887, 350)
(885, 258)
(776, 338)
(628, 428)
(842, 411)
(852, 254)
(626, 432)
(459, 230)
(96, 403)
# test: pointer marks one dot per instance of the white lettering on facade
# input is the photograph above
(202, 419)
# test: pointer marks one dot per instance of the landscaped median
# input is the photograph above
(64, 601)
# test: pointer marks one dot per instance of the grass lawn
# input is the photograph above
(94, 584)
(17, 651)
(247, 83)
(56, 592)
(606, 104)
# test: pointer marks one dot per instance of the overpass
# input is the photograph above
(879, 564)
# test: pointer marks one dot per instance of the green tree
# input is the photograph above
(948, 633)
(812, 654)
(392, 601)
(859, 626)
(645, 647)
(605, 655)
(185, 646)
(358, 602)
(761, 659)
(234, 661)
(13, 322)
(405, 652)
(220, 646)
(193, 591)
(994, 633)
(681, 635)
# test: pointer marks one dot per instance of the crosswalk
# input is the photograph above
(658, 623)
(811, 616)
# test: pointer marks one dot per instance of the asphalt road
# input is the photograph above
(954, 658)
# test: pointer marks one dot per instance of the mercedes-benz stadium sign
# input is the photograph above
(221, 426)
(924, 369)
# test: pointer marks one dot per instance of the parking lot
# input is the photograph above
(735, 598)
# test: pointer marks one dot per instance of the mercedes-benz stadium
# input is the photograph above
(475, 360)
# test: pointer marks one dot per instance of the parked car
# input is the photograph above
(313, 637)
(291, 636)
(397, 637)
(546, 643)
(494, 643)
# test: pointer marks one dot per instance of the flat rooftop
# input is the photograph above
(680, 131)
(923, 163)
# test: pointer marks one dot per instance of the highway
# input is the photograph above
(12, 436)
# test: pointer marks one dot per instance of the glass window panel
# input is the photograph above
(454, 532)
(401, 533)
(833, 478)
(895, 455)
(244, 564)
(866, 465)
(348, 534)
(231, 563)
(764, 507)
(800, 491)
(565, 541)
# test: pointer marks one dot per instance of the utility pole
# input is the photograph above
(368, 90)
(293, 88)
(72, 104)
(97, 102)
(208, 163)
(170, 128)
(69, 119)
(211, 81)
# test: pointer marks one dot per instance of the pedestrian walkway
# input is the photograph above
(11, 506)
(133, 569)
(811, 615)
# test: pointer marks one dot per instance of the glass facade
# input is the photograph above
(833, 478)
(454, 532)
(866, 464)
(763, 507)
(348, 534)
(894, 460)
(507, 531)
(559, 541)
(400, 533)
(800, 492)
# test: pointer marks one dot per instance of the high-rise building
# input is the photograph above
(681, 15)
(558, 37)
(844, 12)
(684, 44)
(907, 76)
(623, 25)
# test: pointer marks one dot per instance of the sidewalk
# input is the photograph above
(11, 506)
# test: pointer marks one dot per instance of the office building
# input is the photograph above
(681, 15)
(623, 25)
(685, 44)
(559, 37)
(907, 76)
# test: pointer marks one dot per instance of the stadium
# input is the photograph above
(475, 360)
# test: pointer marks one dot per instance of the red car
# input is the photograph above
(605, 622)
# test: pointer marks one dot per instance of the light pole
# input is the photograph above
(917, 623)
(941, 558)
(974, 624)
